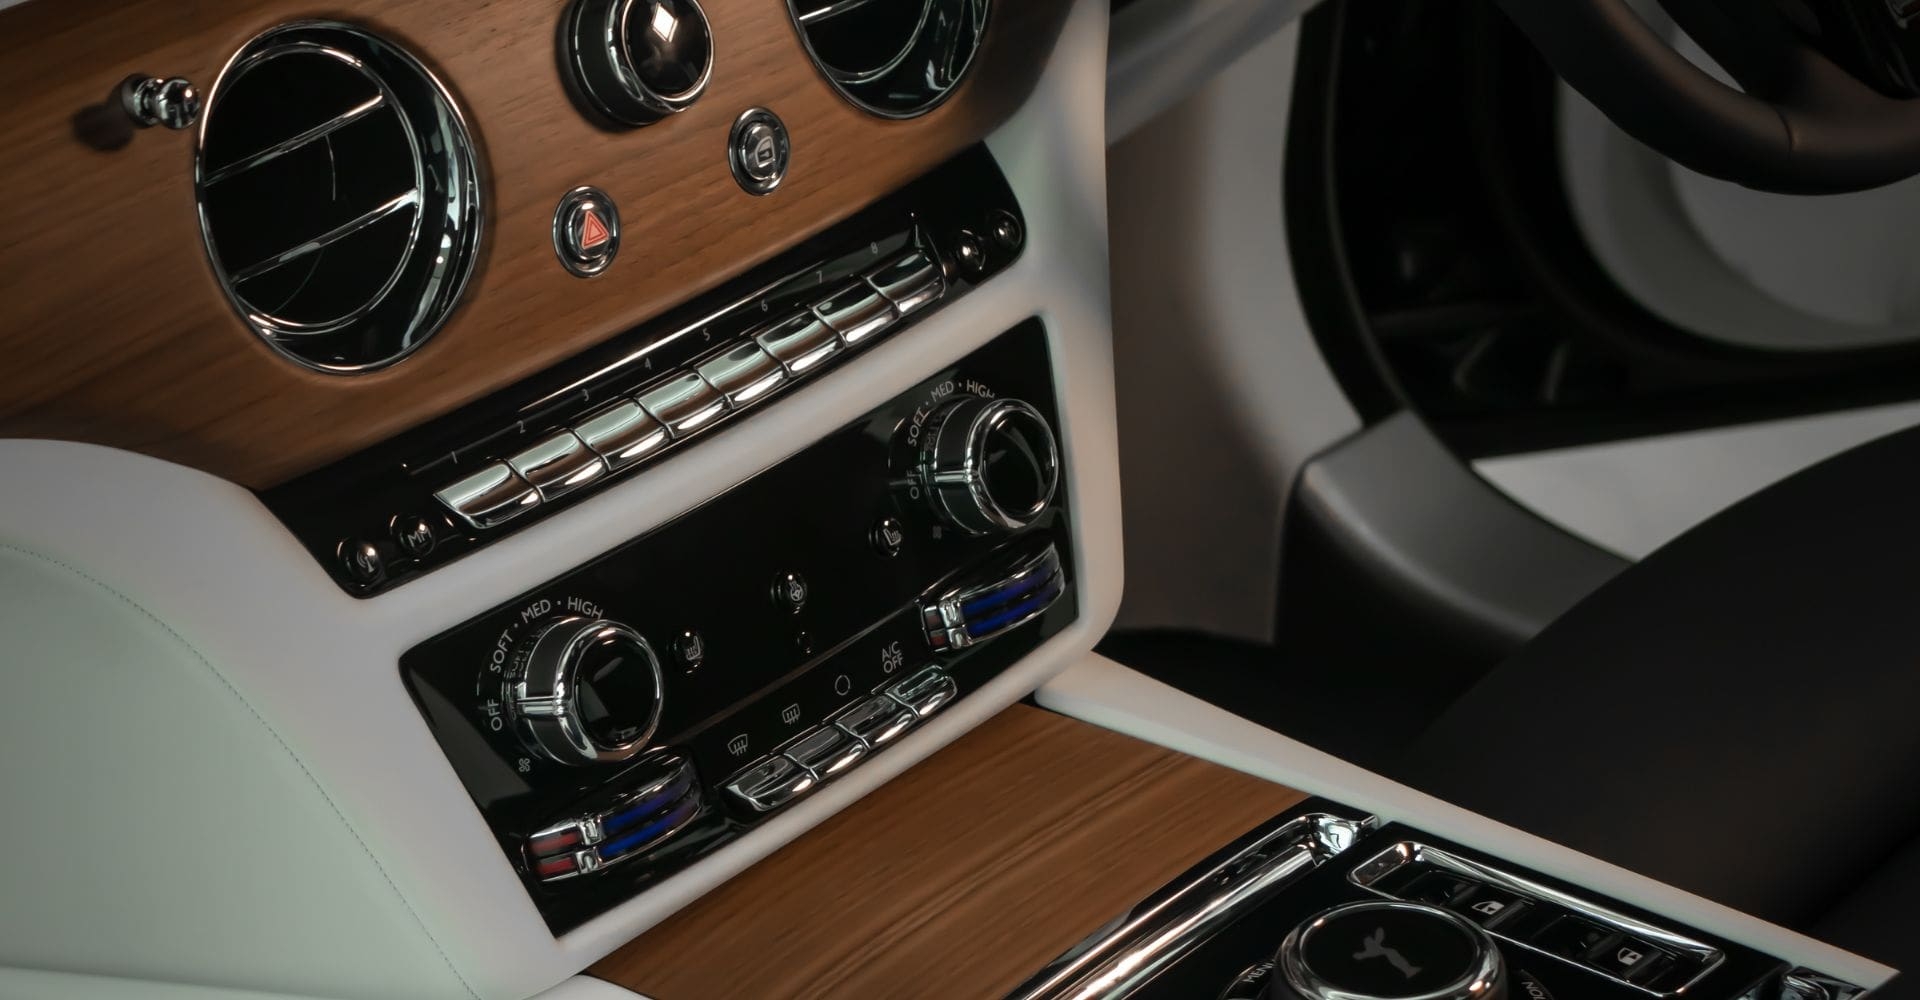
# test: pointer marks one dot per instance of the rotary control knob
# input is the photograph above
(988, 465)
(638, 61)
(584, 691)
(1389, 950)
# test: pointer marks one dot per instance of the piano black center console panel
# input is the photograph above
(1326, 903)
(618, 723)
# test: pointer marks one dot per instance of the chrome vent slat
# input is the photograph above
(831, 10)
(311, 135)
(411, 199)
(339, 194)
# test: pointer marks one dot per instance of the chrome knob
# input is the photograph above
(988, 465)
(150, 101)
(638, 61)
(584, 691)
(1390, 950)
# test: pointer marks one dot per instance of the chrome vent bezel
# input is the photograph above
(442, 245)
(918, 75)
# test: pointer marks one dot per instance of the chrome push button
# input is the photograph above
(490, 497)
(877, 721)
(743, 373)
(586, 231)
(558, 465)
(800, 342)
(684, 403)
(622, 434)
(759, 151)
(856, 312)
(769, 783)
(911, 281)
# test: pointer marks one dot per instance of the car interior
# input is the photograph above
(978, 499)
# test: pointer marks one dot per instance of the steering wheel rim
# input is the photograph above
(1803, 126)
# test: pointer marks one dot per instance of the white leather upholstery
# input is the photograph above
(158, 825)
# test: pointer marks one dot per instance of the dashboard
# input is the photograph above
(565, 499)
(195, 473)
(170, 367)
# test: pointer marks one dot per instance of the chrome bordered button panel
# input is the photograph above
(645, 392)
(825, 752)
(773, 356)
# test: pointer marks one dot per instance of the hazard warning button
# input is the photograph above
(586, 231)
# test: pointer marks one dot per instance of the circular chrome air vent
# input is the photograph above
(339, 195)
(893, 58)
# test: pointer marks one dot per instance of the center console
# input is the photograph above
(620, 722)
(1326, 903)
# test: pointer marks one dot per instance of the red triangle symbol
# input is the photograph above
(593, 232)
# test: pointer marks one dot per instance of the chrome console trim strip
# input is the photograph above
(1179, 918)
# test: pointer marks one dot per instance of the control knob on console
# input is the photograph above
(988, 465)
(638, 61)
(1388, 950)
(584, 691)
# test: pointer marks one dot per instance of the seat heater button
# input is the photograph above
(876, 721)
(826, 751)
(911, 281)
(490, 497)
(622, 434)
(769, 783)
(926, 692)
(558, 465)
(684, 403)
(800, 342)
(856, 312)
(743, 373)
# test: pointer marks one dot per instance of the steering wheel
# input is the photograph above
(1827, 96)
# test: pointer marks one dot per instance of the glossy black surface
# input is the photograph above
(635, 61)
(725, 572)
(894, 58)
(1017, 464)
(616, 689)
(1389, 953)
(1252, 940)
(669, 44)
(355, 502)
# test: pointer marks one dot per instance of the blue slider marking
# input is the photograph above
(668, 821)
(1015, 613)
(1012, 591)
(648, 806)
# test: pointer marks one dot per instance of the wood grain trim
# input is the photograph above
(114, 332)
(961, 877)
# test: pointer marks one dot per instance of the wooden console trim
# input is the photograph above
(960, 878)
(114, 331)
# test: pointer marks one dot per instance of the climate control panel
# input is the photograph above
(618, 723)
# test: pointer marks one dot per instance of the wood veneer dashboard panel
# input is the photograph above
(961, 877)
(113, 330)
